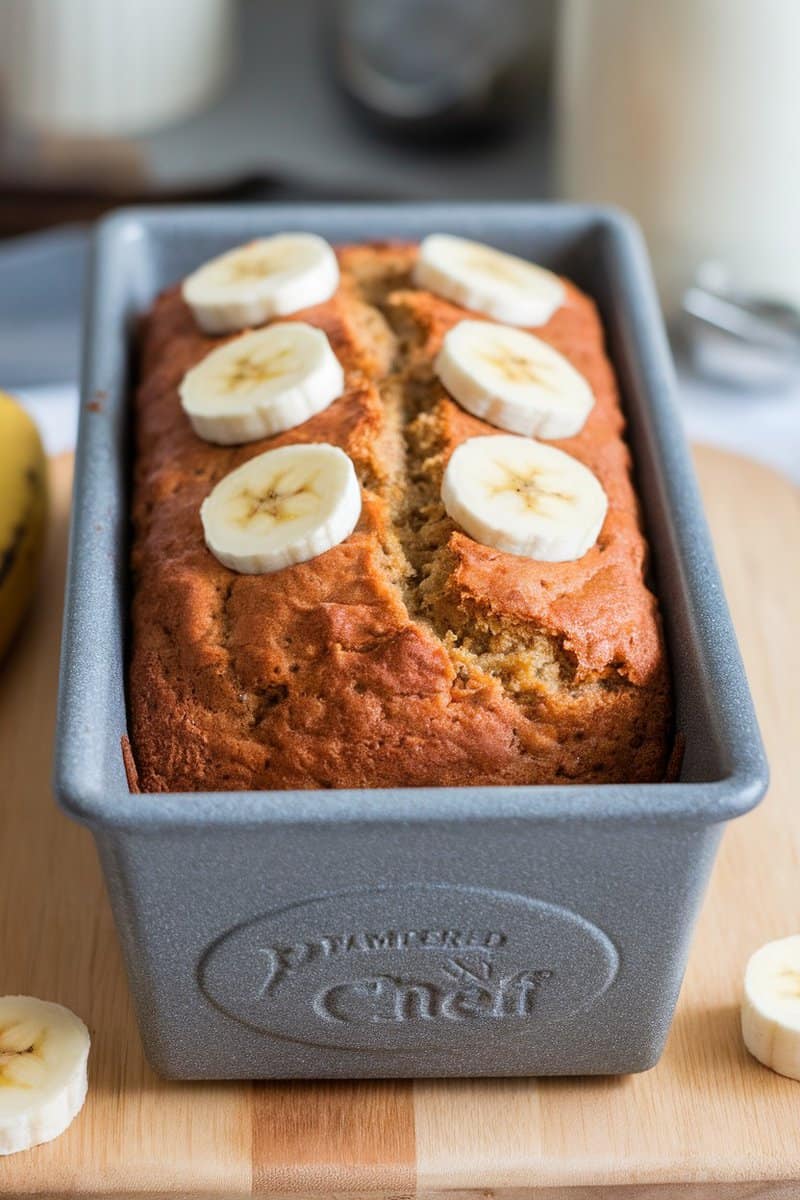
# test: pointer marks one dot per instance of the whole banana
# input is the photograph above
(23, 514)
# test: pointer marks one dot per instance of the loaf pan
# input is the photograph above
(402, 932)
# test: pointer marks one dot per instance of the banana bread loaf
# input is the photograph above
(409, 654)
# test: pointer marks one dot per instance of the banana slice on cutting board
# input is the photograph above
(771, 1006)
(267, 278)
(525, 498)
(44, 1050)
(487, 280)
(262, 383)
(282, 507)
(513, 380)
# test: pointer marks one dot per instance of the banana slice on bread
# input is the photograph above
(513, 380)
(486, 280)
(44, 1049)
(291, 504)
(282, 507)
(771, 1006)
(262, 383)
(267, 278)
(524, 498)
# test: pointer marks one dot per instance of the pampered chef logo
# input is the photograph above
(464, 983)
(425, 965)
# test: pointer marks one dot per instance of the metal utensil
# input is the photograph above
(744, 341)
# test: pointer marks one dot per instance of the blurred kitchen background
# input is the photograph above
(686, 113)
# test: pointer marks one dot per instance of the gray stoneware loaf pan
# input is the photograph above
(403, 932)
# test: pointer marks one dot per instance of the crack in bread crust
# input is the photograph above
(409, 654)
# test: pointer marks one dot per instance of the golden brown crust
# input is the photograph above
(409, 654)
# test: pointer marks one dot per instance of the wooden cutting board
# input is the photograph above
(707, 1124)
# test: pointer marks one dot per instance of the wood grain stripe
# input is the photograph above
(779, 1190)
(475, 1136)
(334, 1139)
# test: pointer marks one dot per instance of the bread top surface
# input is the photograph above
(408, 654)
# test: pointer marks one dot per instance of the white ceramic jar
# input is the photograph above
(687, 113)
(111, 67)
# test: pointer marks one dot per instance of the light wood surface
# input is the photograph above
(707, 1124)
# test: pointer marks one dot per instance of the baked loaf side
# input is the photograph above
(408, 655)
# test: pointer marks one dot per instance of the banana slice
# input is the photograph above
(44, 1050)
(771, 1006)
(261, 383)
(282, 507)
(524, 498)
(267, 278)
(513, 380)
(487, 280)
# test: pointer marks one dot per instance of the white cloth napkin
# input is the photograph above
(55, 411)
(762, 425)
